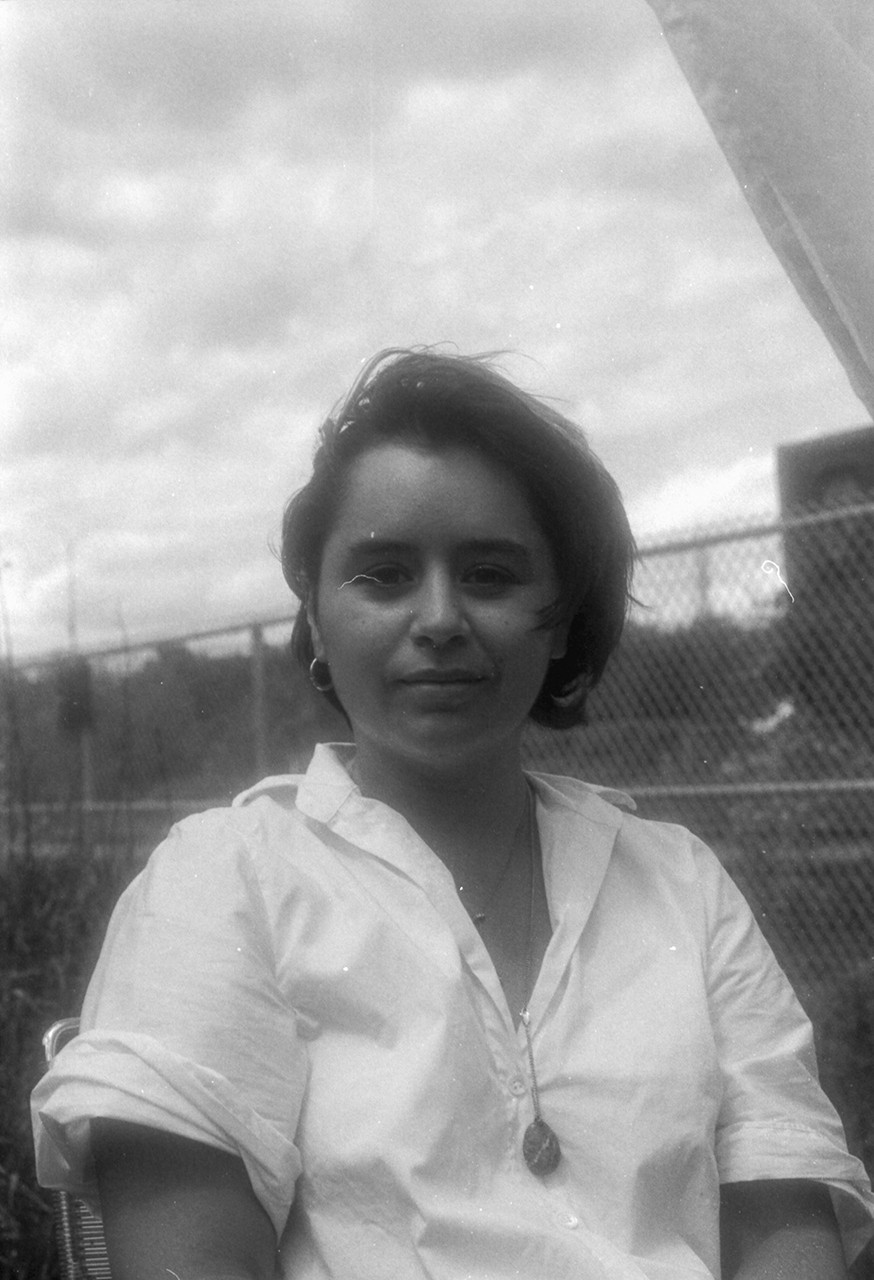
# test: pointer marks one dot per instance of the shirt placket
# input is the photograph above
(572, 876)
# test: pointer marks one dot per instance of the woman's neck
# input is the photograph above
(465, 815)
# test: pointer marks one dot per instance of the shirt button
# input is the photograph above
(565, 1218)
(518, 1086)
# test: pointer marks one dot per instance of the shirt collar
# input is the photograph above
(327, 784)
(328, 794)
(578, 828)
(319, 792)
(578, 823)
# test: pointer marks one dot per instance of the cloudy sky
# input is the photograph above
(214, 212)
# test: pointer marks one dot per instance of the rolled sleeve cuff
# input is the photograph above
(131, 1077)
(754, 1152)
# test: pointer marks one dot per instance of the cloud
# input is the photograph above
(148, 67)
(700, 497)
(216, 212)
(170, 534)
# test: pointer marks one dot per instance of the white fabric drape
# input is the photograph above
(788, 89)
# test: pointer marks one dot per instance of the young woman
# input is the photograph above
(417, 1013)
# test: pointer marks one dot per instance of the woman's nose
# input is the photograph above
(438, 612)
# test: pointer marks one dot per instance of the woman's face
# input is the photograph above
(431, 583)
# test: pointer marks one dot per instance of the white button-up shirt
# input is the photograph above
(295, 980)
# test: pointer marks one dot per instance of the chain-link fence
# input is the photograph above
(740, 704)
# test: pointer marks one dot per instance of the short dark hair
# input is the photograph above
(433, 400)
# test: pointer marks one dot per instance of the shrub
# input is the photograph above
(53, 911)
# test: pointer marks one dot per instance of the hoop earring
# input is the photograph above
(324, 684)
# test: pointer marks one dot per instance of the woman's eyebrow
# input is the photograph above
(499, 546)
(380, 546)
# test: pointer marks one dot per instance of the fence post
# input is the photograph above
(259, 704)
(87, 816)
(702, 576)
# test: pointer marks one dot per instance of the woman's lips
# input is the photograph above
(451, 675)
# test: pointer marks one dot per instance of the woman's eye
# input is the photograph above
(490, 575)
(383, 575)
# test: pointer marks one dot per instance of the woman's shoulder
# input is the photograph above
(250, 816)
(231, 843)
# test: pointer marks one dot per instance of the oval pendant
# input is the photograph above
(540, 1147)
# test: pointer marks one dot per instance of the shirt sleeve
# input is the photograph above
(184, 1028)
(775, 1121)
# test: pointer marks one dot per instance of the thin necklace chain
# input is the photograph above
(479, 917)
(541, 1148)
(524, 1014)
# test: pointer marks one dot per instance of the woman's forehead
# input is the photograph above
(394, 486)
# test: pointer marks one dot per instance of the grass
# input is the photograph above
(53, 912)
